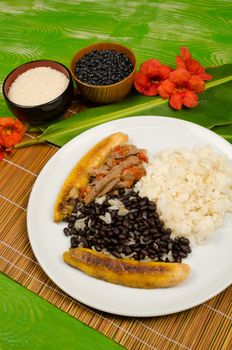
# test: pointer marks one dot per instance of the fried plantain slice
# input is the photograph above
(126, 272)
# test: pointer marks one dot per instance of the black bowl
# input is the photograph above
(45, 112)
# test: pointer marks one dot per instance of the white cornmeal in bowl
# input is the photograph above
(37, 86)
(192, 190)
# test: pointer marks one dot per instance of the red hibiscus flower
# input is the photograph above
(11, 132)
(181, 88)
(186, 61)
(150, 76)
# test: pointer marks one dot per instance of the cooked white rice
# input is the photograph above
(192, 190)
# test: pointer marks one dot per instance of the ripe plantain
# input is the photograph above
(126, 272)
(79, 176)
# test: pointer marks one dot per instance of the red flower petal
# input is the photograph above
(196, 84)
(8, 151)
(141, 81)
(180, 63)
(151, 74)
(164, 71)
(185, 60)
(190, 99)
(11, 131)
(194, 67)
(166, 88)
(150, 67)
(185, 53)
(1, 154)
(204, 76)
(144, 85)
(151, 91)
(179, 76)
(176, 101)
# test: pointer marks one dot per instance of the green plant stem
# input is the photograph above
(32, 142)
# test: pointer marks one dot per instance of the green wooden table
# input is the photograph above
(29, 322)
(55, 30)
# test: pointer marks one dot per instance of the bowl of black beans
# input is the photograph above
(104, 72)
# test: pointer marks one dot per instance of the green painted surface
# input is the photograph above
(29, 322)
(56, 29)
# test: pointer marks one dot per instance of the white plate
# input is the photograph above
(211, 264)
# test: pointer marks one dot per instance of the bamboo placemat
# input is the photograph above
(208, 326)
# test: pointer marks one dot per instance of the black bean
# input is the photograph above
(127, 250)
(66, 231)
(184, 241)
(107, 240)
(163, 243)
(152, 251)
(136, 233)
(146, 232)
(73, 231)
(70, 224)
(98, 249)
(121, 191)
(163, 250)
(116, 254)
(183, 254)
(109, 233)
(174, 254)
(176, 247)
(147, 239)
(120, 249)
(151, 256)
(146, 223)
(150, 222)
(113, 214)
(141, 224)
(131, 234)
(114, 240)
(123, 231)
(125, 222)
(72, 218)
(143, 202)
(152, 206)
(154, 231)
(168, 231)
(185, 248)
(116, 230)
(142, 256)
(144, 214)
(74, 243)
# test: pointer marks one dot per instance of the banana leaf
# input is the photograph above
(224, 131)
(214, 109)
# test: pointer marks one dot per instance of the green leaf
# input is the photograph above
(213, 109)
(224, 131)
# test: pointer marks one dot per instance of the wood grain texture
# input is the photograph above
(27, 322)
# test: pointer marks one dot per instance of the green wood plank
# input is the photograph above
(56, 29)
(29, 322)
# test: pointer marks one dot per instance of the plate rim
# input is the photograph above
(63, 288)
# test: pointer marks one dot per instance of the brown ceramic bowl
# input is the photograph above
(103, 94)
(38, 114)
